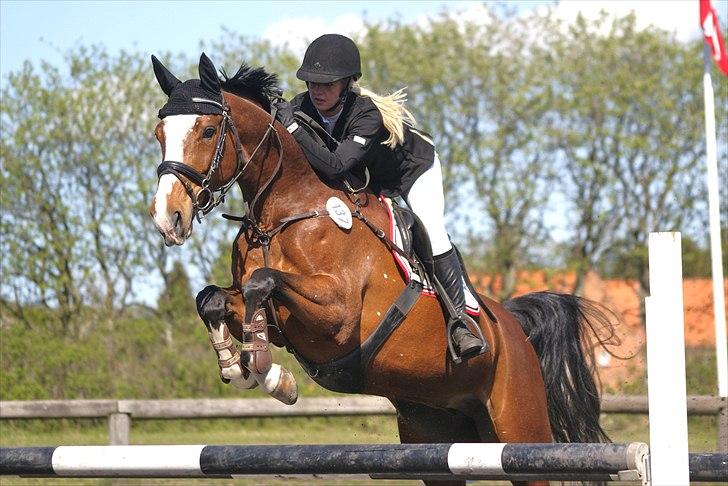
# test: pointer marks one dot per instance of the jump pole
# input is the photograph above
(598, 462)
(506, 462)
(666, 387)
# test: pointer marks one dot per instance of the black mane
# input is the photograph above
(252, 83)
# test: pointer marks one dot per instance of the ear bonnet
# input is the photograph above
(193, 97)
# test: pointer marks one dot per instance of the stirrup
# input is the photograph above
(470, 324)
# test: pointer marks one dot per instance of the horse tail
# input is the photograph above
(558, 326)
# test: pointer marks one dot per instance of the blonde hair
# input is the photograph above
(394, 113)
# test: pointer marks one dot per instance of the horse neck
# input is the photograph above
(295, 177)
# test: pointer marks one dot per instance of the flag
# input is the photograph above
(711, 31)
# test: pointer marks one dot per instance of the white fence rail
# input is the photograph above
(121, 412)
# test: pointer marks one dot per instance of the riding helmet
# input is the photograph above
(329, 58)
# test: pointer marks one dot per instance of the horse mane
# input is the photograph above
(252, 83)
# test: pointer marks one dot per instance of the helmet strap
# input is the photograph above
(343, 95)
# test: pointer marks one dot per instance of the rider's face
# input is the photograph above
(325, 95)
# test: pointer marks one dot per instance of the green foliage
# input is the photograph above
(702, 372)
(137, 357)
(630, 131)
(75, 182)
(627, 260)
(176, 300)
(695, 259)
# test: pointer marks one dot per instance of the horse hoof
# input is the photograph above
(285, 389)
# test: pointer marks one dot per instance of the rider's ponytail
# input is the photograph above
(394, 113)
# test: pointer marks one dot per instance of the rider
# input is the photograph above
(377, 132)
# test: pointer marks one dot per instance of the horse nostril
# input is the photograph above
(177, 218)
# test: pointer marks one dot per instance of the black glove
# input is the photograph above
(285, 114)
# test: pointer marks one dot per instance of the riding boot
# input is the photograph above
(450, 275)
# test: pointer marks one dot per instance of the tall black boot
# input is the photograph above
(450, 275)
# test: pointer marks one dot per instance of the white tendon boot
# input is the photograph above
(228, 359)
(278, 382)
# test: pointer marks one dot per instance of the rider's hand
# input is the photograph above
(285, 115)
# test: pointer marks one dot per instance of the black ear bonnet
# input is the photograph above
(193, 97)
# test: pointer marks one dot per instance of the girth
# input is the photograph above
(348, 373)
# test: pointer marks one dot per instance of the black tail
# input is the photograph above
(557, 326)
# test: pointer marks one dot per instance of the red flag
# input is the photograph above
(711, 31)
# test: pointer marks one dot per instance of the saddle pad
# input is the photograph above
(395, 234)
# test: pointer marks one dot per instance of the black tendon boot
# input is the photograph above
(450, 275)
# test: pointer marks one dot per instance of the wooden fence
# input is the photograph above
(121, 412)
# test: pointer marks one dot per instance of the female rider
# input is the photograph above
(377, 132)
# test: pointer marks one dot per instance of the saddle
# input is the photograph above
(415, 243)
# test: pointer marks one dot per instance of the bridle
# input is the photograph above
(201, 206)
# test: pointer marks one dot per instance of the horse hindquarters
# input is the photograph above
(516, 399)
(557, 326)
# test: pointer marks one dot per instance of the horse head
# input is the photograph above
(202, 153)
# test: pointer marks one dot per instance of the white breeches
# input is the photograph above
(427, 200)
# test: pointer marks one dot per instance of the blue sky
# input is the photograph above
(34, 30)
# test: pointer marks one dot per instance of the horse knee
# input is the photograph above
(211, 304)
(259, 287)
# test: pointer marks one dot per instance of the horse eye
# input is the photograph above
(209, 132)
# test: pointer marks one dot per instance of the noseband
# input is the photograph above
(202, 206)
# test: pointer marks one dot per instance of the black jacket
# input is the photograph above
(359, 133)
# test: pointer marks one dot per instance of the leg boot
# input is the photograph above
(450, 274)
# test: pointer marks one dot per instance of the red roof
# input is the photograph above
(621, 296)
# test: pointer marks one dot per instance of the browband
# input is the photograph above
(208, 101)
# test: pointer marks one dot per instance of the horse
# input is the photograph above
(327, 286)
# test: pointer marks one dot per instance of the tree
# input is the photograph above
(479, 89)
(176, 304)
(630, 132)
(76, 179)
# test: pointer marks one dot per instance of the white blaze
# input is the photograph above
(176, 128)
(164, 189)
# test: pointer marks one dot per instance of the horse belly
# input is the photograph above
(415, 364)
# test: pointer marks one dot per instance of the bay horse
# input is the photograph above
(330, 286)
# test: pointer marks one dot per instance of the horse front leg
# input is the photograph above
(317, 300)
(221, 310)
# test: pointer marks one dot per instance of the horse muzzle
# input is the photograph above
(171, 212)
(177, 235)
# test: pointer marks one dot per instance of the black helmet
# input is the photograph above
(329, 58)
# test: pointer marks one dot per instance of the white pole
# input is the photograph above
(666, 363)
(711, 159)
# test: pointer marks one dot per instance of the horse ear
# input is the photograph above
(208, 75)
(167, 80)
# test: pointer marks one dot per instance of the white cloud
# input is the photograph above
(678, 16)
(298, 32)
